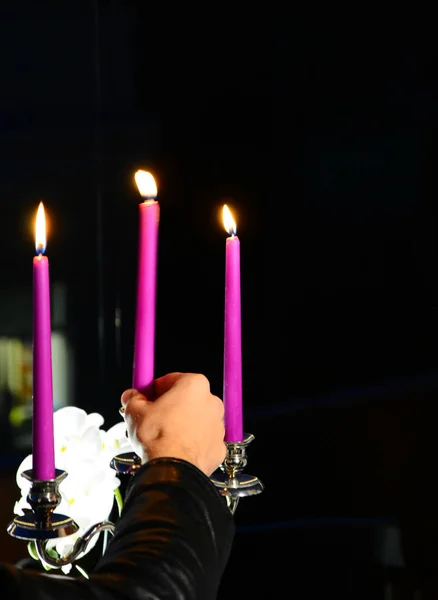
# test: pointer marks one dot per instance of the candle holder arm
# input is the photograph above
(79, 547)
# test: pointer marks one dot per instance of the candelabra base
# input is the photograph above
(42, 523)
(229, 479)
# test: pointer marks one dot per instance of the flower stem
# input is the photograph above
(119, 500)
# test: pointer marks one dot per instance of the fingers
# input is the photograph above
(163, 384)
(133, 403)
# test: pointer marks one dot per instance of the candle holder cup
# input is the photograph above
(126, 464)
(41, 523)
(231, 482)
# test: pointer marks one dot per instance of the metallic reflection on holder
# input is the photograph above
(42, 523)
(231, 482)
(126, 464)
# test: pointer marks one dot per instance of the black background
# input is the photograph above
(321, 137)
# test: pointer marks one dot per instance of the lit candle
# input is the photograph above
(144, 343)
(43, 454)
(232, 385)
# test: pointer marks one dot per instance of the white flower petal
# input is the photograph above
(95, 420)
(66, 569)
(25, 465)
(116, 442)
(90, 443)
(20, 505)
(117, 431)
(69, 419)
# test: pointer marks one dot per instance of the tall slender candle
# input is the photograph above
(144, 343)
(232, 388)
(43, 454)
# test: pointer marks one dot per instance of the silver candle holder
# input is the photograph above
(126, 464)
(41, 523)
(230, 480)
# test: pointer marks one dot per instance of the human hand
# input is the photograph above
(185, 421)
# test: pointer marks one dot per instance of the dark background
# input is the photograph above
(321, 138)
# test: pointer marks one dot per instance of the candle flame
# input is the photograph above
(146, 184)
(229, 222)
(40, 230)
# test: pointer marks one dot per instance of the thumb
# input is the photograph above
(133, 403)
(127, 395)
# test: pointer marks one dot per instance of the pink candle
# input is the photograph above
(43, 454)
(232, 388)
(144, 343)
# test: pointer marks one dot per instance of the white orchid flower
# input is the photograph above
(84, 451)
(115, 441)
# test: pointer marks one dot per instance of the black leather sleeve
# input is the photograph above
(172, 542)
